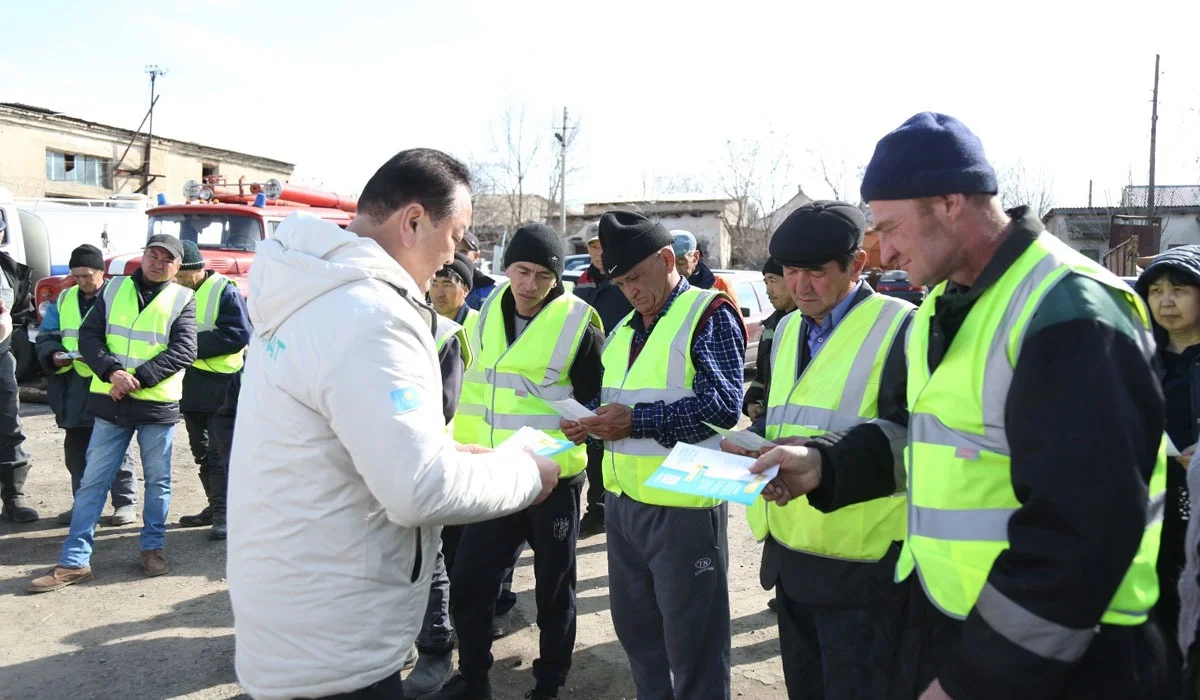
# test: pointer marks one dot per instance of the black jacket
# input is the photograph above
(1084, 420)
(586, 371)
(605, 297)
(22, 310)
(179, 355)
(203, 391)
(68, 393)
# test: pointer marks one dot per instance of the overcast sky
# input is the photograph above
(659, 87)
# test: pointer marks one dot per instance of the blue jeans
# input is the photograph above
(105, 453)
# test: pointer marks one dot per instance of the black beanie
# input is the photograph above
(88, 256)
(772, 267)
(460, 268)
(192, 260)
(538, 244)
(628, 238)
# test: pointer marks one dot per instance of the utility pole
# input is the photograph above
(563, 139)
(1153, 139)
(153, 72)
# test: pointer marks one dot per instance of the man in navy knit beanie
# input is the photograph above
(1027, 437)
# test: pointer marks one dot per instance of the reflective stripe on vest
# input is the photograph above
(208, 308)
(135, 336)
(69, 321)
(837, 390)
(663, 371)
(959, 463)
(509, 385)
(447, 329)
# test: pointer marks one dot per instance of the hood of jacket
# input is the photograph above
(703, 277)
(307, 258)
(1184, 260)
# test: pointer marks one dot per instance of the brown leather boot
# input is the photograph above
(153, 562)
(59, 577)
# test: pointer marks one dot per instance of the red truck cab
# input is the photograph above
(225, 221)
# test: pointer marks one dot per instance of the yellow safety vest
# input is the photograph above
(136, 336)
(959, 463)
(510, 384)
(69, 321)
(470, 324)
(208, 307)
(838, 390)
(663, 371)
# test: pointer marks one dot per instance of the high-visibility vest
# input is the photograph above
(663, 371)
(838, 390)
(510, 384)
(136, 336)
(208, 307)
(69, 321)
(470, 324)
(447, 329)
(959, 464)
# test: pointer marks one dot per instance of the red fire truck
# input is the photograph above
(225, 220)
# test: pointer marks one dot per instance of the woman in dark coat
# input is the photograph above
(1171, 287)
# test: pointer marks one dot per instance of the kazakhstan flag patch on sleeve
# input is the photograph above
(406, 399)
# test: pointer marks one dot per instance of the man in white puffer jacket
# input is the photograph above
(341, 473)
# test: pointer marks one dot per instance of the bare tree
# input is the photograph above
(756, 177)
(515, 149)
(678, 183)
(1019, 187)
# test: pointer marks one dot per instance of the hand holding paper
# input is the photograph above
(699, 471)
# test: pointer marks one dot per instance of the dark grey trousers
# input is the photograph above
(669, 591)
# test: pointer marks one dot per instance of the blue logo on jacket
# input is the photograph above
(406, 399)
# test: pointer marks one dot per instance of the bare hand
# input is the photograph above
(613, 421)
(727, 446)
(935, 692)
(575, 432)
(793, 440)
(799, 472)
(549, 471)
(472, 449)
(61, 360)
(754, 410)
(1185, 457)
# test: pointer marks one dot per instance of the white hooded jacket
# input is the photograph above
(341, 473)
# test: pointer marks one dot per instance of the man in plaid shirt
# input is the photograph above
(667, 553)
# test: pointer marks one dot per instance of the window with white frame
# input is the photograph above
(78, 169)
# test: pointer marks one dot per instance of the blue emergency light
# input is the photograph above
(260, 200)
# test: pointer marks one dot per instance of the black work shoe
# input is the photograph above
(592, 524)
(542, 694)
(459, 688)
(18, 511)
(202, 519)
(218, 531)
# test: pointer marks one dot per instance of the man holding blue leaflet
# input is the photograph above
(535, 344)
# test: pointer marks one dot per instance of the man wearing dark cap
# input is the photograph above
(536, 344)
(837, 363)
(448, 293)
(222, 333)
(597, 288)
(138, 339)
(1035, 455)
(754, 405)
(482, 283)
(675, 364)
(69, 384)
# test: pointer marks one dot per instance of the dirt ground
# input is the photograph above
(128, 637)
